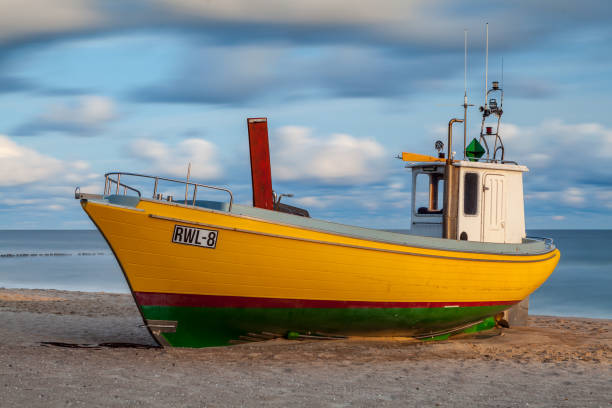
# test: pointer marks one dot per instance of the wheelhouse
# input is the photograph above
(486, 201)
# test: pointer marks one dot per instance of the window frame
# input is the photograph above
(475, 193)
(414, 192)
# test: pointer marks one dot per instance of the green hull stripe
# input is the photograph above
(216, 326)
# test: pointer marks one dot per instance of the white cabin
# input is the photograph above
(486, 204)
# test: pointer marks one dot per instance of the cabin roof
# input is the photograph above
(496, 166)
(466, 163)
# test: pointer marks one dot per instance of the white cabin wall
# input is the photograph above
(515, 211)
(514, 206)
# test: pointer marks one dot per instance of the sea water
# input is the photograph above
(581, 285)
(59, 259)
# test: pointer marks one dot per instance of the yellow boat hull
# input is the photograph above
(264, 276)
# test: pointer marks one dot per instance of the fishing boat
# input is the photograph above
(214, 272)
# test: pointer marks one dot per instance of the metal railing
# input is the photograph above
(111, 184)
(108, 185)
(548, 242)
(485, 160)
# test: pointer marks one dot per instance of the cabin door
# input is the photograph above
(494, 208)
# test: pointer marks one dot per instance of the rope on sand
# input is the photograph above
(96, 346)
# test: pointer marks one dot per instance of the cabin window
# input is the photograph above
(429, 190)
(470, 194)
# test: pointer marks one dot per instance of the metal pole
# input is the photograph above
(465, 100)
(433, 191)
(486, 67)
(187, 184)
(449, 159)
(449, 219)
(465, 106)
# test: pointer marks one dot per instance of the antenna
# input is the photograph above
(486, 66)
(502, 78)
(465, 99)
(492, 107)
(465, 65)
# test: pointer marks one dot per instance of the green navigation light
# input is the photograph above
(474, 150)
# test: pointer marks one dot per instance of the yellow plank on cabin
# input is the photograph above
(415, 157)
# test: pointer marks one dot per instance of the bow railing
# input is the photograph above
(113, 185)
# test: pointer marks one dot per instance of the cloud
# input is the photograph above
(392, 18)
(531, 88)
(558, 140)
(55, 207)
(368, 72)
(574, 196)
(380, 204)
(418, 24)
(20, 201)
(21, 165)
(83, 116)
(337, 159)
(245, 50)
(172, 160)
(22, 20)
(220, 75)
(605, 196)
(34, 183)
(10, 84)
(562, 156)
(311, 202)
(239, 74)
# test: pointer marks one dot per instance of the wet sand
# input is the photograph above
(553, 362)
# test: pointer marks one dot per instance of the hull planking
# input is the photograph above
(262, 276)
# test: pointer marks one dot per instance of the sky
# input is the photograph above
(92, 86)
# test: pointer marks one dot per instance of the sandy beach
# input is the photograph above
(553, 362)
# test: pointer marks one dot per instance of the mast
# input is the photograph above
(491, 106)
(486, 67)
(465, 100)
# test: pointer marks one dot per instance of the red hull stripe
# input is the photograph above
(185, 300)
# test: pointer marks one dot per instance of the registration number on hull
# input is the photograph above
(195, 236)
